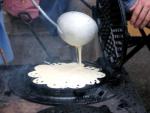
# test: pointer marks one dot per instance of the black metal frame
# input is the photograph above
(110, 15)
(111, 31)
(138, 42)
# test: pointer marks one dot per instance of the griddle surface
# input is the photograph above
(125, 101)
(21, 85)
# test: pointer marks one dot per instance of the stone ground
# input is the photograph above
(139, 71)
(17, 105)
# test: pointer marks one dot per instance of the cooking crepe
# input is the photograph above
(66, 75)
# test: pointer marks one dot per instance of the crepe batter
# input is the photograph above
(79, 49)
(65, 75)
(76, 29)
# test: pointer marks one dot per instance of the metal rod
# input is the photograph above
(133, 52)
(141, 41)
(146, 38)
(85, 3)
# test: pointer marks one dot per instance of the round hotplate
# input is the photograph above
(20, 84)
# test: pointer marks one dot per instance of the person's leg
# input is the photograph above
(5, 46)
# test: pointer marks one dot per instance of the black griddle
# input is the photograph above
(21, 84)
(124, 98)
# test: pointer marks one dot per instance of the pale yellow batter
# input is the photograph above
(65, 75)
(79, 49)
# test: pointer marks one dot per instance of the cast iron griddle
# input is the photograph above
(126, 99)
(21, 84)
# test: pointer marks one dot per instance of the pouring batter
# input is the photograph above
(76, 29)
